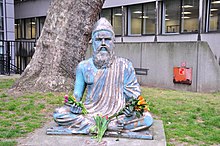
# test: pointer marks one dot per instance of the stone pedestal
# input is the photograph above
(39, 137)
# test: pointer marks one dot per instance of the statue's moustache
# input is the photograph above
(103, 46)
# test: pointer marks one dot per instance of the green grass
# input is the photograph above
(5, 83)
(21, 115)
(189, 118)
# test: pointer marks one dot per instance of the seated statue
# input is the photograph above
(110, 82)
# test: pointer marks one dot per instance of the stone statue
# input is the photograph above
(110, 82)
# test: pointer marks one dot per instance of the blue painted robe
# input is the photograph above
(108, 88)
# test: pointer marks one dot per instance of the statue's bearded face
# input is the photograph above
(103, 45)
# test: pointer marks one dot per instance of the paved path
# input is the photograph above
(39, 138)
(12, 76)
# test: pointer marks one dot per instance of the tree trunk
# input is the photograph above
(61, 46)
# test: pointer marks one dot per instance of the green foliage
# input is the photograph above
(70, 100)
(100, 127)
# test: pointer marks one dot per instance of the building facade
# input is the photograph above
(6, 27)
(139, 20)
(178, 26)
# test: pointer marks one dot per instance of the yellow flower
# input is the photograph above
(141, 101)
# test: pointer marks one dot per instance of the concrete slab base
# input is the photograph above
(40, 138)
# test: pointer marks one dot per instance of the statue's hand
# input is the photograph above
(76, 109)
(127, 112)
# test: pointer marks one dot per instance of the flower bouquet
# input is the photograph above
(72, 101)
(137, 106)
(101, 125)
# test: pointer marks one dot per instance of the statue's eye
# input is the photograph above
(98, 39)
(108, 39)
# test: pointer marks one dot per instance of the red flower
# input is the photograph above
(66, 97)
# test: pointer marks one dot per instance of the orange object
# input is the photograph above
(182, 75)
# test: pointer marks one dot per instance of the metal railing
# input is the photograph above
(15, 56)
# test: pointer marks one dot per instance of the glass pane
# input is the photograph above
(214, 18)
(1, 23)
(107, 14)
(42, 20)
(33, 28)
(134, 19)
(117, 20)
(1, 43)
(190, 16)
(149, 18)
(1, 9)
(28, 28)
(22, 22)
(16, 29)
(172, 16)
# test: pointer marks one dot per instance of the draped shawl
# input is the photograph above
(111, 87)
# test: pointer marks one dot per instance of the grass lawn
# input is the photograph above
(188, 118)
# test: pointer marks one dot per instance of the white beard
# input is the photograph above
(103, 59)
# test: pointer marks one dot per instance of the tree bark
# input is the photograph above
(62, 45)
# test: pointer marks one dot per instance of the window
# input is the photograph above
(30, 28)
(1, 43)
(107, 14)
(33, 28)
(25, 28)
(172, 16)
(1, 23)
(214, 15)
(1, 9)
(41, 24)
(22, 27)
(190, 15)
(38, 26)
(114, 16)
(134, 19)
(117, 20)
(1, 17)
(149, 18)
(17, 29)
(181, 16)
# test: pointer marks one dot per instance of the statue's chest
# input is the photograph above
(89, 75)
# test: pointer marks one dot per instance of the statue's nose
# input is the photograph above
(103, 41)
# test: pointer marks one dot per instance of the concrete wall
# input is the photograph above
(211, 38)
(32, 8)
(160, 58)
(8, 11)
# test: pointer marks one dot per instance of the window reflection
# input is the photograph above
(33, 28)
(17, 28)
(42, 20)
(28, 28)
(117, 20)
(190, 15)
(134, 19)
(1, 23)
(172, 16)
(214, 15)
(1, 9)
(107, 14)
(149, 18)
